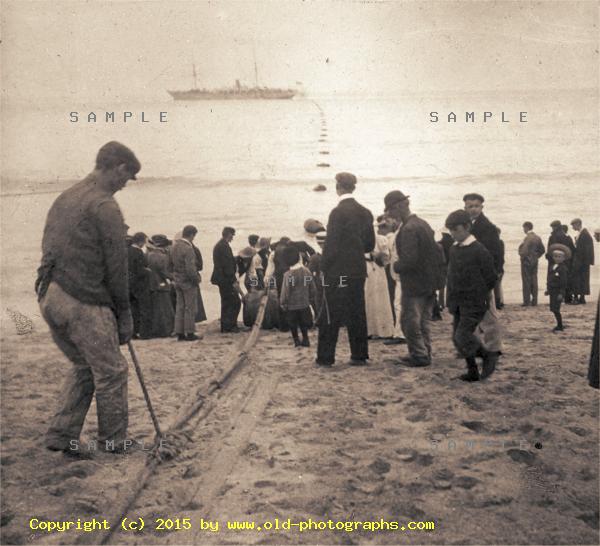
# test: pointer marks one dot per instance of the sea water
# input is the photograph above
(253, 164)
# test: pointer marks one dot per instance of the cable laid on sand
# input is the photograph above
(175, 433)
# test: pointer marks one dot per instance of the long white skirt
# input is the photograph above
(380, 321)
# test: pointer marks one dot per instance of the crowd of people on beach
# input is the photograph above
(385, 279)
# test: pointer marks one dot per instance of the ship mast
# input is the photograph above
(255, 66)
(195, 77)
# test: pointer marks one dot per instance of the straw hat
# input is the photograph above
(563, 248)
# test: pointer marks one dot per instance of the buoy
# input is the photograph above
(323, 165)
(319, 187)
(324, 152)
(313, 226)
(322, 140)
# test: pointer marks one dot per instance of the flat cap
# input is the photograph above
(576, 221)
(159, 240)
(458, 218)
(393, 198)
(113, 154)
(555, 223)
(473, 197)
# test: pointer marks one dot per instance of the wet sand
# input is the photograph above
(513, 460)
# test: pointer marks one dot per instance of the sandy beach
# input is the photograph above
(509, 461)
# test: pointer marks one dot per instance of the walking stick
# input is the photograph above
(138, 370)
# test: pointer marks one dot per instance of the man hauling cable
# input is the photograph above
(83, 294)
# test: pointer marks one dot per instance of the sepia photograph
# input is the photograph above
(299, 272)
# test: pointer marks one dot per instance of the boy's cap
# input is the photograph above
(473, 197)
(290, 255)
(563, 248)
(113, 154)
(393, 198)
(458, 218)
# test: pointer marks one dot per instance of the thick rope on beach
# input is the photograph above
(175, 432)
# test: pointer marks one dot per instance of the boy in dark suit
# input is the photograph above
(558, 281)
(471, 275)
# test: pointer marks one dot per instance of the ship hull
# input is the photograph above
(250, 94)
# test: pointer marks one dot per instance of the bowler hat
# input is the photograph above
(159, 241)
(393, 198)
(563, 248)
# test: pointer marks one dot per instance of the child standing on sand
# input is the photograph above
(297, 291)
(558, 281)
(471, 277)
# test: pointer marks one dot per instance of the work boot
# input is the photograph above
(180, 337)
(472, 371)
(305, 342)
(489, 365)
(192, 337)
(297, 342)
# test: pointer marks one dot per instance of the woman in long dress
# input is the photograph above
(163, 314)
(380, 321)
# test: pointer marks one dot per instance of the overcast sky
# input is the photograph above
(121, 50)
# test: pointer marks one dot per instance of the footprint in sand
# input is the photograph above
(579, 431)
(472, 404)
(522, 456)
(261, 484)
(417, 417)
(590, 519)
(465, 482)
(405, 509)
(380, 466)
(476, 426)
(406, 455)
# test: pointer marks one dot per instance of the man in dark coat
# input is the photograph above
(487, 234)
(139, 287)
(350, 235)
(224, 276)
(419, 267)
(583, 258)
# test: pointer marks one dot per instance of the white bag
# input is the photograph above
(489, 330)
